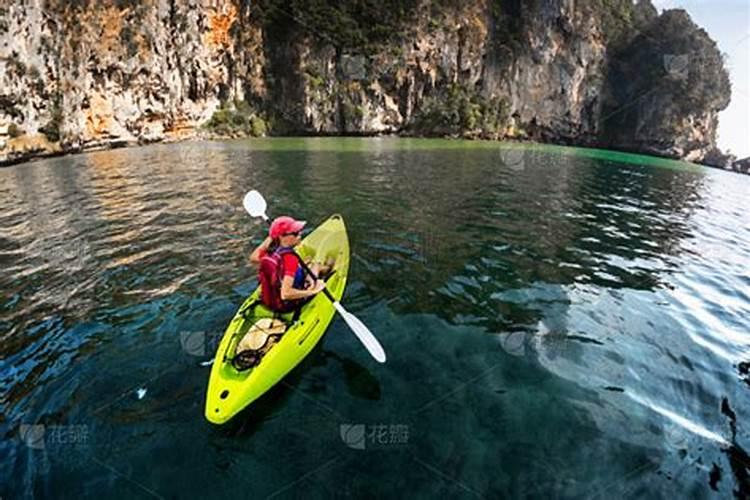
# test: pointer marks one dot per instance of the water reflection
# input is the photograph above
(530, 300)
(457, 231)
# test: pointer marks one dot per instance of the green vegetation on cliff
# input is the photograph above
(51, 129)
(459, 111)
(14, 130)
(236, 118)
(359, 24)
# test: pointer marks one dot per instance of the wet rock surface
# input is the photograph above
(85, 75)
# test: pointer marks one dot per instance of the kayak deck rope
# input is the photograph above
(248, 358)
(251, 357)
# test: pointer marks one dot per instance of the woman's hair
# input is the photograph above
(274, 245)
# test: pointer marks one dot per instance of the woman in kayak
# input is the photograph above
(284, 284)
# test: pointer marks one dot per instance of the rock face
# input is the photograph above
(666, 86)
(83, 74)
(742, 165)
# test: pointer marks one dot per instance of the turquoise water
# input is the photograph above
(559, 323)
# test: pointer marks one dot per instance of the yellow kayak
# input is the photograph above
(231, 390)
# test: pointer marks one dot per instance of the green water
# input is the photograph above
(559, 323)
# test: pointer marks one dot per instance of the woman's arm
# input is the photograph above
(257, 253)
(288, 292)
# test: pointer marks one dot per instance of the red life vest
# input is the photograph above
(270, 274)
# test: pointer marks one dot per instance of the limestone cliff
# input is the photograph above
(83, 74)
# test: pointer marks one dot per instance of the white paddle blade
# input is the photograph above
(255, 204)
(363, 333)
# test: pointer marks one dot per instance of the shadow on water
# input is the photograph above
(252, 418)
(360, 382)
(271, 404)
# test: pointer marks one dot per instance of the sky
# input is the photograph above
(728, 23)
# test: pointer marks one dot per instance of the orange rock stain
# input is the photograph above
(219, 25)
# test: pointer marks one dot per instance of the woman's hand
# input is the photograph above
(262, 248)
(317, 287)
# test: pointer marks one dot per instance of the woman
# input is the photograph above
(284, 285)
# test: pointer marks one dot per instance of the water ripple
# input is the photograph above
(561, 304)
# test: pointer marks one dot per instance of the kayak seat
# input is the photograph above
(262, 336)
(257, 342)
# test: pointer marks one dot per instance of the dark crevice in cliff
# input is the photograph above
(285, 82)
(586, 72)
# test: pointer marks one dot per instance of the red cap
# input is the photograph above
(283, 225)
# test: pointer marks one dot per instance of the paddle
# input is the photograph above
(255, 205)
